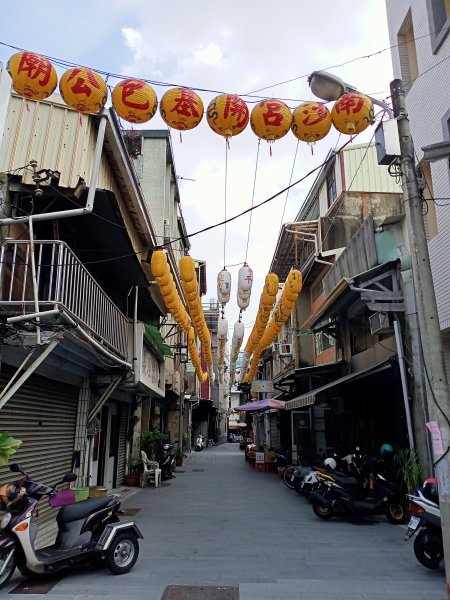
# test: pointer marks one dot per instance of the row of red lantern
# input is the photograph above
(134, 100)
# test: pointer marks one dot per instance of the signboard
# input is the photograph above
(262, 385)
(259, 457)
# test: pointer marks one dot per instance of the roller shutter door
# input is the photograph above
(42, 413)
(123, 428)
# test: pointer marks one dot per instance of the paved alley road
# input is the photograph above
(224, 525)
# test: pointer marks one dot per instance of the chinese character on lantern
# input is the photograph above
(33, 76)
(134, 100)
(181, 108)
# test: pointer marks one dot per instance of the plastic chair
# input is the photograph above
(151, 473)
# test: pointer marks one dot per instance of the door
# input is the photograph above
(301, 436)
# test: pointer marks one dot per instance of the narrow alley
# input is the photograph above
(222, 531)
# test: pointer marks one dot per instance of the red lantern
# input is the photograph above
(311, 122)
(271, 119)
(227, 115)
(352, 113)
(83, 89)
(134, 100)
(33, 76)
(181, 108)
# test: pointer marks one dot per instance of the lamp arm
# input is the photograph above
(387, 108)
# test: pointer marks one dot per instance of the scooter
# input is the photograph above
(347, 494)
(199, 443)
(425, 521)
(167, 461)
(89, 531)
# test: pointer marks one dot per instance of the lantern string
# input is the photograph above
(225, 202)
(253, 198)
(290, 181)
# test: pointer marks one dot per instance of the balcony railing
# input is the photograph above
(61, 282)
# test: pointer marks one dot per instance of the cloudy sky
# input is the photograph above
(244, 47)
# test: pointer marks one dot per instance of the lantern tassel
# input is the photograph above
(26, 104)
(81, 120)
(270, 150)
(181, 138)
(228, 142)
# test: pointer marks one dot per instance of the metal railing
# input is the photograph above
(62, 282)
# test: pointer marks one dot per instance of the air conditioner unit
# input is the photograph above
(379, 323)
(285, 350)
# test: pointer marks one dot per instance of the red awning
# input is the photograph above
(261, 405)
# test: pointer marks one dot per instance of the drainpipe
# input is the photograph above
(33, 276)
(135, 340)
(62, 214)
(401, 364)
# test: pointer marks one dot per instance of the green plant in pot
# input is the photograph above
(408, 468)
(134, 469)
(150, 441)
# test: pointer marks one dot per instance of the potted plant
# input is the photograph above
(408, 468)
(150, 441)
(133, 476)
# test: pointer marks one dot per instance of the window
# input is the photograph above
(439, 22)
(407, 53)
(323, 342)
(331, 187)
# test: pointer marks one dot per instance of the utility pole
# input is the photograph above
(429, 329)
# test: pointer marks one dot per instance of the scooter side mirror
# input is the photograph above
(69, 477)
(16, 468)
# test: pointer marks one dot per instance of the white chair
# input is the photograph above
(151, 471)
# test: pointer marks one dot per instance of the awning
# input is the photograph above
(310, 397)
(234, 425)
(261, 405)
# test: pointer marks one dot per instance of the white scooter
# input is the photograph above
(90, 531)
(199, 443)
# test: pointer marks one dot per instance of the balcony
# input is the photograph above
(62, 283)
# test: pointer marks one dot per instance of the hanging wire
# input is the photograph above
(290, 181)
(253, 199)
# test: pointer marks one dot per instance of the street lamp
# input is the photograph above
(330, 87)
(325, 86)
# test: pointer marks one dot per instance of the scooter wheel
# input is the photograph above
(396, 513)
(123, 553)
(287, 476)
(322, 512)
(5, 576)
(428, 549)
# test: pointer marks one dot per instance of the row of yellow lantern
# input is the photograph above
(266, 302)
(236, 342)
(194, 356)
(190, 285)
(283, 309)
(134, 100)
(164, 278)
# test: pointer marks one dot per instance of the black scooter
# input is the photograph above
(363, 496)
(167, 461)
(88, 531)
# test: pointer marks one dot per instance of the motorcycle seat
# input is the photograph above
(80, 510)
(343, 479)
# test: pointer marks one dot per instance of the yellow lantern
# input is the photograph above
(271, 119)
(227, 115)
(83, 89)
(352, 113)
(33, 76)
(181, 108)
(311, 122)
(134, 100)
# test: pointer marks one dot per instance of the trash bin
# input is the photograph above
(97, 490)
